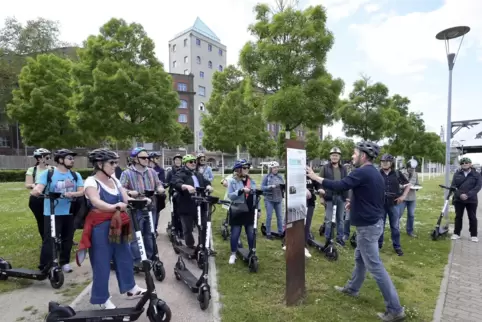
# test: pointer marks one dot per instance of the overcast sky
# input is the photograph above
(391, 41)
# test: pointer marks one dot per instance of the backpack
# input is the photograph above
(78, 206)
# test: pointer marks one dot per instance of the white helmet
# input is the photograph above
(41, 152)
(335, 150)
(273, 164)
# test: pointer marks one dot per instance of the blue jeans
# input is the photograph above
(278, 209)
(394, 218)
(340, 210)
(101, 253)
(410, 205)
(148, 238)
(236, 234)
(367, 258)
(346, 228)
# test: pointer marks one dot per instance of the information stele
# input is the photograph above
(295, 214)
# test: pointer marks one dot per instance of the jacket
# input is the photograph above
(185, 205)
(469, 185)
(270, 194)
(170, 177)
(237, 197)
(327, 173)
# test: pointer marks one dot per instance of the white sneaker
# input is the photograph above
(284, 247)
(475, 239)
(307, 253)
(108, 305)
(66, 268)
(136, 292)
(455, 237)
(232, 259)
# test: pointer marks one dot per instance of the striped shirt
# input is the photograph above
(140, 181)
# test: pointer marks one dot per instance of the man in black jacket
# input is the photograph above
(176, 166)
(185, 181)
(468, 183)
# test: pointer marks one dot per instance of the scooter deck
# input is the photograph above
(316, 244)
(189, 279)
(123, 314)
(186, 251)
(26, 273)
(244, 252)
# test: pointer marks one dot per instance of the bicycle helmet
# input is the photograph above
(273, 164)
(102, 155)
(40, 152)
(238, 164)
(465, 160)
(177, 156)
(200, 155)
(387, 157)
(335, 150)
(62, 153)
(154, 155)
(136, 151)
(370, 148)
(187, 158)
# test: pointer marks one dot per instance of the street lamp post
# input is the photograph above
(447, 35)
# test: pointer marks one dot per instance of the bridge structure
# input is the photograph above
(466, 146)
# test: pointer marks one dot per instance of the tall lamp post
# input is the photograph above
(447, 35)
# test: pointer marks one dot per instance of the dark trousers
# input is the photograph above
(36, 205)
(309, 218)
(187, 222)
(176, 220)
(64, 229)
(459, 215)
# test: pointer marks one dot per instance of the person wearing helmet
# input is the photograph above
(333, 170)
(273, 197)
(239, 192)
(60, 179)
(410, 200)
(36, 205)
(185, 181)
(136, 179)
(468, 183)
(367, 209)
(160, 199)
(394, 196)
(107, 231)
(203, 168)
(176, 166)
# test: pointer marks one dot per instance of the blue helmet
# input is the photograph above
(136, 151)
(387, 157)
(238, 164)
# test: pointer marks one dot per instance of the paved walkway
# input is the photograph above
(461, 290)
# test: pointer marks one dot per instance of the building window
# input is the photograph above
(210, 64)
(210, 47)
(174, 48)
(186, 59)
(185, 42)
(201, 74)
(220, 68)
(202, 108)
(186, 72)
(198, 59)
(198, 41)
(4, 142)
(183, 104)
(182, 118)
(182, 87)
(168, 161)
(202, 91)
(220, 52)
(174, 64)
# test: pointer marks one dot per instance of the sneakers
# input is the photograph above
(474, 239)
(232, 259)
(108, 305)
(399, 251)
(346, 291)
(340, 242)
(66, 268)
(135, 292)
(269, 237)
(283, 247)
(391, 317)
(307, 253)
(455, 237)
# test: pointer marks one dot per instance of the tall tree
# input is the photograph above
(346, 146)
(187, 136)
(312, 145)
(287, 62)
(121, 88)
(42, 100)
(262, 145)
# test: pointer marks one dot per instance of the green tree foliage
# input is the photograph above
(346, 145)
(187, 136)
(42, 100)
(121, 88)
(262, 145)
(312, 145)
(280, 144)
(287, 62)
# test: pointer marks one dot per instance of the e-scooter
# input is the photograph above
(438, 230)
(275, 233)
(330, 250)
(175, 236)
(312, 242)
(225, 226)
(54, 272)
(199, 285)
(157, 310)
(249, 255)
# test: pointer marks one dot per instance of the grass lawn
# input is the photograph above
(260, 297)
(19, 238)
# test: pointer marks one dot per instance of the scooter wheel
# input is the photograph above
(178, 277)
(159, 271)
(322, 230)
(3, 277)
(331, 254)
(224, 233)
(200, 259)
(253, 266)
(204, 298)
(434, 234)
(263, 230)
(54, 316)
(161, 314)
(180, 265)
(57, 279)
(176, 251)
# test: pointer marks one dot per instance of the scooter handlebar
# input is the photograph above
(224, 202)
(447, 188)
(52, 195)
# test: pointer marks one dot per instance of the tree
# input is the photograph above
(346, 146)
(280, 143)
(41, 102)
(262, 145)
(286, 61)
(121, 88)
(187, 136)
(312, 145)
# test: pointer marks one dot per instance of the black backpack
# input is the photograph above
(78, 206)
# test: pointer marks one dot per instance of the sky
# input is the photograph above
(391, 41)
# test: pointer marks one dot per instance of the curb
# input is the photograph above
(79, 297)
(438, 312)
(213, 278)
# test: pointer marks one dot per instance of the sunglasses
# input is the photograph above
(465, 163)
(113, 163)
(202, 160)
(143, 158)
(47, 158)
(69, 158)
(191, 162)
(245, 168)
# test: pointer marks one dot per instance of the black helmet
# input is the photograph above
(177, 156)
(62, 153)
(370, 148)
(154, 155)
(102, 155)
(387, 157)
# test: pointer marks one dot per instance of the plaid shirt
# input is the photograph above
(133, 179)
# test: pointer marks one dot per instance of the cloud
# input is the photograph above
(372, 7)
(405, 44)
(338, 9)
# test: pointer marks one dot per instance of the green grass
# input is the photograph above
(19, 238)
(260, 296)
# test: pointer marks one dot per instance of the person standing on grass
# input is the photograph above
(468, 183)
(273, 197)
(36, 205)
(367, 209)
(410, 201)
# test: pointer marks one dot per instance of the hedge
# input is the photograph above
(19, 175)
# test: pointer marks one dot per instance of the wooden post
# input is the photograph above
(295, 243)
